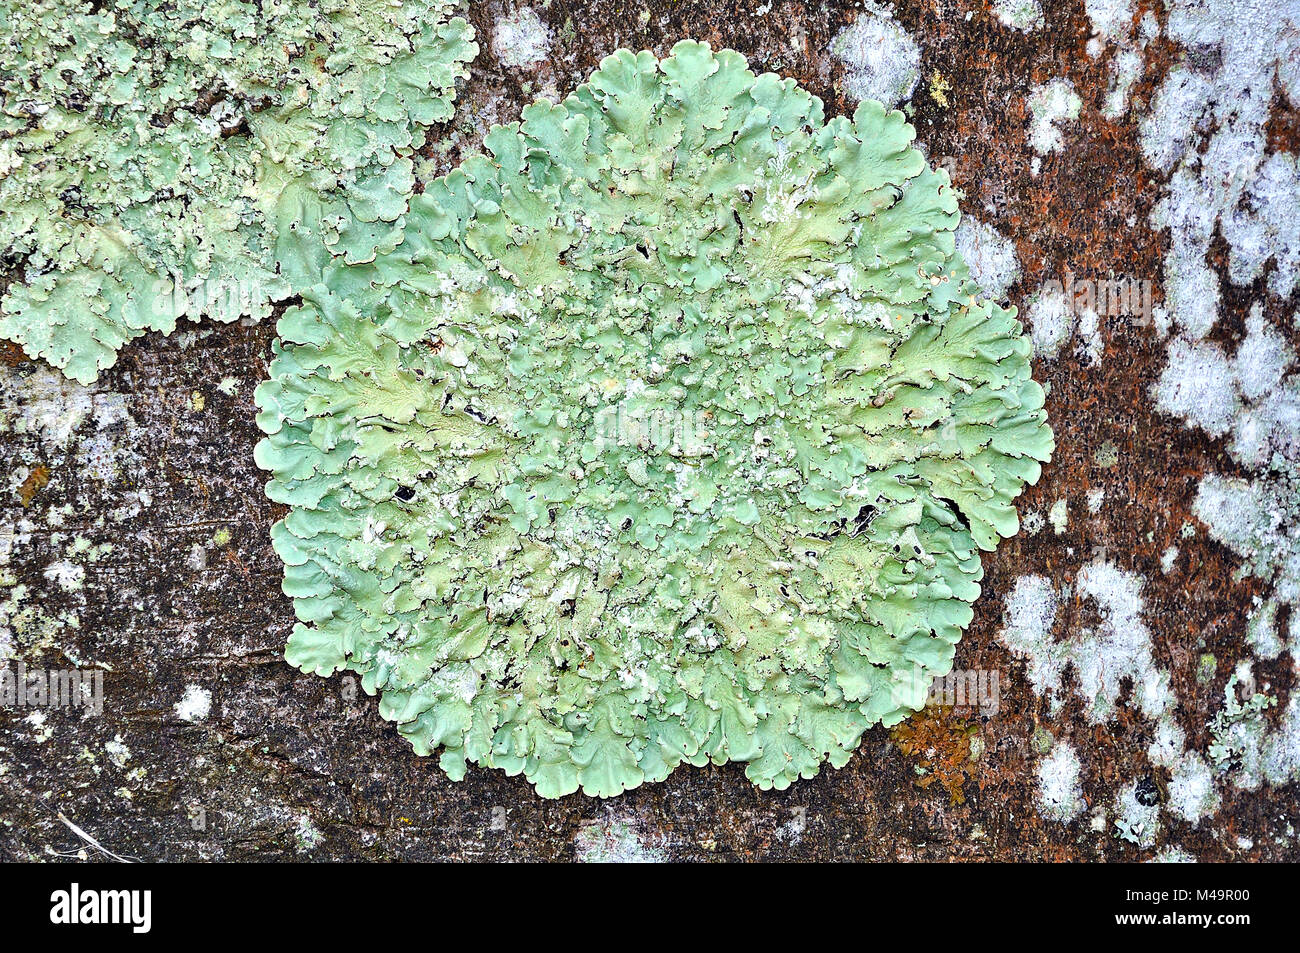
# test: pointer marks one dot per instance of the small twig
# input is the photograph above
(86, 837)
(94, 843)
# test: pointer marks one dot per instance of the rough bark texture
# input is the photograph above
(156, 463)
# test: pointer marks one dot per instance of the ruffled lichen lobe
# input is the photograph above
(670, 433)
(179, 160)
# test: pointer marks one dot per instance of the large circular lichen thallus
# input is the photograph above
(671, 432)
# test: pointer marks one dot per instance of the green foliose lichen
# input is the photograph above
(160, 160)
(671, 432)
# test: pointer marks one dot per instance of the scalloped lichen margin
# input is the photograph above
(670, 433)
(157, 160)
